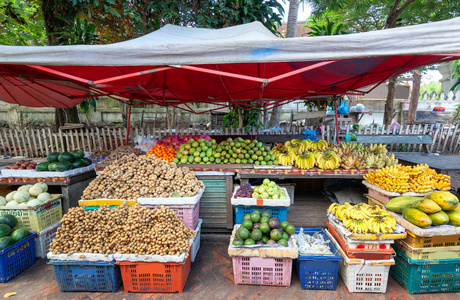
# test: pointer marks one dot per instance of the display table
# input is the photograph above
(71, 187)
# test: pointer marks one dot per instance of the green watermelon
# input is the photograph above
(9, 220)
(4, 230)
(63, 166)
(42, 167)
(78, 164)
(87, 161)
(66, 156)
(78, 154)
(19, 234)
(5, 242)
(52, 157)
(52, 166)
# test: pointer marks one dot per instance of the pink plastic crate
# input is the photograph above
(262, 270)
(188, 213)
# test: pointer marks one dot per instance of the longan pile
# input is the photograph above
(131, 177)
(135, 230)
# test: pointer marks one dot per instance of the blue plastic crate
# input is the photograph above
(87, 276)
(241, 210)
(318, 272)
(17, 257)
(426, 276)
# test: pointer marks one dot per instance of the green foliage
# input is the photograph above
(251, 118)
(455, 68)
(327, 28)
(80, 32)
(433, 86)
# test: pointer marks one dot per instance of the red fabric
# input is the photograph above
(29, 86)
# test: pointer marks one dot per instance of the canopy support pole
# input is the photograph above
(128, 121)
(336, 120)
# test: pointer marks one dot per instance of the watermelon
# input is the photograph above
(5, 242)
(78, 164)
(78, 154)
(52, 157)
(66, 156)
(19, 234)
(63, 166)
(9, 220)
(42, 167)
(4, 230)
(52, 166)
(87, 161)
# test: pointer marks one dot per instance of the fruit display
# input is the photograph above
(8, 233)
(163, 152)
(132, 177)
(65, 161)
(307, 154)
(135, 230)
(245, 191)
(120, 152)
(175, 140)
(22, 165)
(363, 218)
(268, 190)
(260, 229)
(435, 208)
(402, 179)
(231, 151)
(27, 195)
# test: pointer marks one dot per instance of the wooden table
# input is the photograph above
(444, 164)
(71, 187)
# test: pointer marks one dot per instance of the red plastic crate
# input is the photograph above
(188, 213)
(367, 254)
(154, 277)
(262, 270)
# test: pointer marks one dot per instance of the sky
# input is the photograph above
(304, 11)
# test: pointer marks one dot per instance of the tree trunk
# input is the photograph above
(240, 118)
(124, 113)
(412, 115)
(65, 115)
(388, 116)
(291, 27)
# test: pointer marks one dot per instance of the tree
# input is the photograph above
(376, 15)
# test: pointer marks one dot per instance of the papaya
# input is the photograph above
(454, 217)
(439, 218)
(416, 217)
(399, 204)
(446, 200)
(427, 206)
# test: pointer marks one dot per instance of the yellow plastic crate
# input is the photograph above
(429, 253)
(102, 202)
(39, 217)
(416, 241)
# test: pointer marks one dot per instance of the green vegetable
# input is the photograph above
(19, 234)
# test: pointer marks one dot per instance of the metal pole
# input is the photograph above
(128, 122)
(336, 121)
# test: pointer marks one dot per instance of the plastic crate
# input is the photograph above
(363, 244)
(188, 213)
(97, 203)
(87, 276)
(154, 277)
(426, 276)
(452, 252)
(416, 241)
(364, 278)
(355, 253)
(262, 270)
(196, 243)
(278, 212)
(44, 239)
(17, 257)
(39, 217)
(317, 272)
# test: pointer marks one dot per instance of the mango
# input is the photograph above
(439, 218)
(399, 204)
(427, 206)
(454, 217)
(417, 217)
(446, 200)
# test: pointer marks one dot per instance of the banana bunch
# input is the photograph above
(393, 178)
(327, 160)
(305, 160)
(306, 144)
(377, 149)
(359, 212)
(285, 158)
(441, 182)
(421, 184)
(318, 145)
(349, 162)
(357, 225)
(294, 146)
(382, 224)
(278, 148)
(390, 160)
(375, 161)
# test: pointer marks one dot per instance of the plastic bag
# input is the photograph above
(343, 108)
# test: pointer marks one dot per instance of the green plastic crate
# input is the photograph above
(426, 276)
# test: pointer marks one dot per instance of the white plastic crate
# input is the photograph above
(290, 187)
(367, 277)
(44, 239)
(196, 243)
(261, 202)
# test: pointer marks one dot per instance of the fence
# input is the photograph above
(41, 142)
